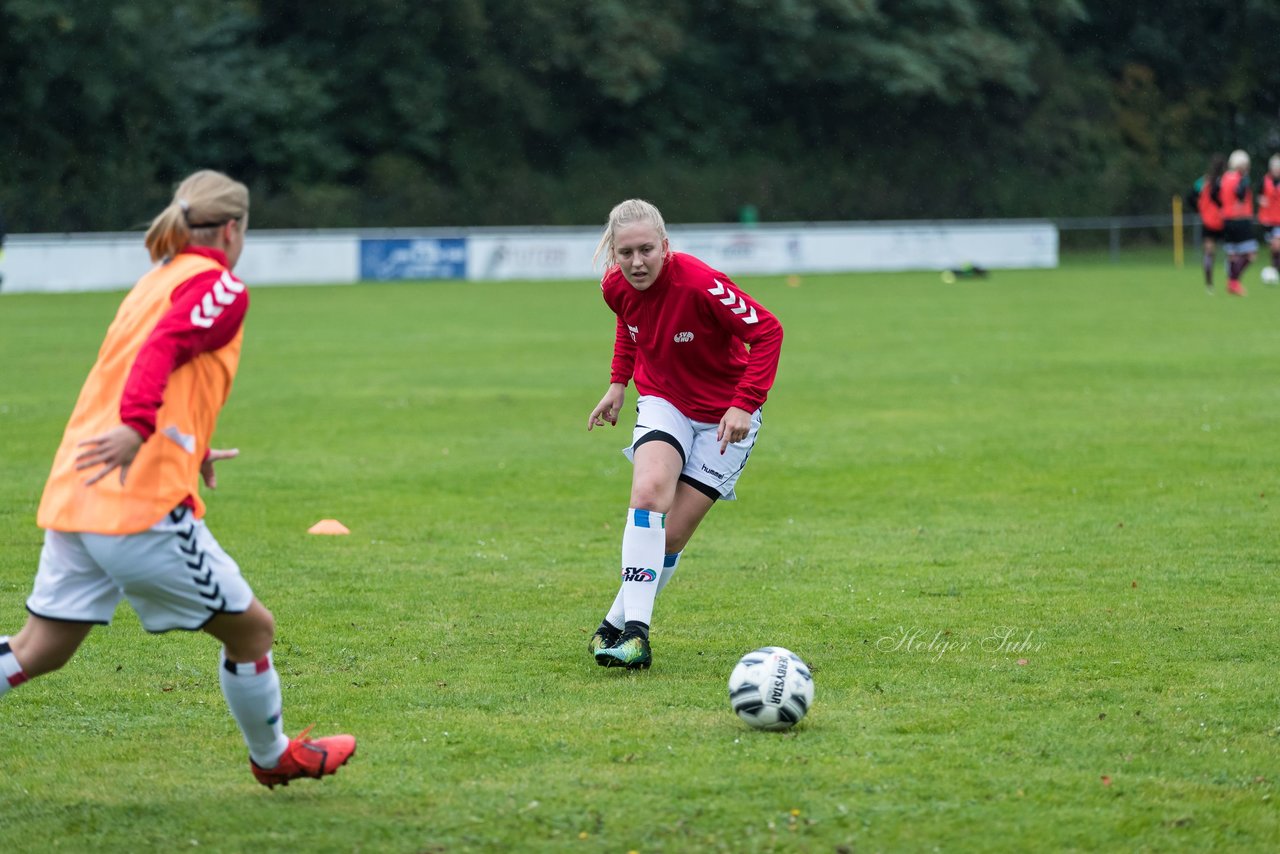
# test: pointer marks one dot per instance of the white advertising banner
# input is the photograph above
(93, 262)
(80, 262)
(53, 263)
(784, 249)
(872, 247)
(278, 258)
(549, 255)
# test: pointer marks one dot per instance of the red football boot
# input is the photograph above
(305, 757)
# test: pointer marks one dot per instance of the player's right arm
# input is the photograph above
(609, 406)
(620, 369)
(624, 360)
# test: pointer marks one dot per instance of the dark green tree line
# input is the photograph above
(403, 113)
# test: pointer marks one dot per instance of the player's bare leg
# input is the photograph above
(688, 509)
(42, 646)
(1210, 248)
(1239, 263)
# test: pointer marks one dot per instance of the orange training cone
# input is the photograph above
(328, 526)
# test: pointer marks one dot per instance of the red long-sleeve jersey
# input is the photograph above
(685, 339)
(204, 317)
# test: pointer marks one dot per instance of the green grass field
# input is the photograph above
(1021, 529)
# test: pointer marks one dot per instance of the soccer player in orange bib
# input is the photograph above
(1208, 204)
(683, 332)
(1239, 241)
(122, 511)
(1269, 216)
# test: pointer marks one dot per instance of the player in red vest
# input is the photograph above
(145, 416)
(1207, 202)
(1269, 215)
(1237, 210)
(703, 355)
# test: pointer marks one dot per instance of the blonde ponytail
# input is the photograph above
(203, 202)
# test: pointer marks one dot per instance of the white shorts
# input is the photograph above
(175, 575)
(708, 470)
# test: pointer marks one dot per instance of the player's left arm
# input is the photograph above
(740, 315)
(205, 315)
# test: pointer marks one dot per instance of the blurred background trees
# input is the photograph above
(472, 112)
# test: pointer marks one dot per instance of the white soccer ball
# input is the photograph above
(1270, 276)
(771, 688)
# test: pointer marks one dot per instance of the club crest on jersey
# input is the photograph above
(683, 337)
(634, 330)
(636, 573)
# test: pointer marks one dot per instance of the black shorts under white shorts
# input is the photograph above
(1238, 231)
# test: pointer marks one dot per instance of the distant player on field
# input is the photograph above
(683, 333)
(1237, 210)
(1208, 203)
(1269, 209)
(145, 416)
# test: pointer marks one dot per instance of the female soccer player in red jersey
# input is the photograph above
(1269, 212)
(1209, 206)
(1237, 209)
(146, 415)
(703, 355)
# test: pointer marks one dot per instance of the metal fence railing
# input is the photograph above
(1116, 232)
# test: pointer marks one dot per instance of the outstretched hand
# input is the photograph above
(114, 449)
(734, 427)
(206, 467)
(607, 409)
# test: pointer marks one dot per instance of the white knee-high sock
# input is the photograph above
(643, 541)
(669, 563)
(617, 616)
(11, 673)
(253, 695)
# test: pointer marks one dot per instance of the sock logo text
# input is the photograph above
(637, 573)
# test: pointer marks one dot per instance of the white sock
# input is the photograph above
(643, 541)
(11, 674)
(253, 694)
(669, 563)
(617, 615)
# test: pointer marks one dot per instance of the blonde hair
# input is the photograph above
(1239, 159)
(623, 214)
(203, 202)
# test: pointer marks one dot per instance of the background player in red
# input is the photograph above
(1208, 204)
(1237, 210)
(1269, 215)
(683, 332)
(122, 511)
